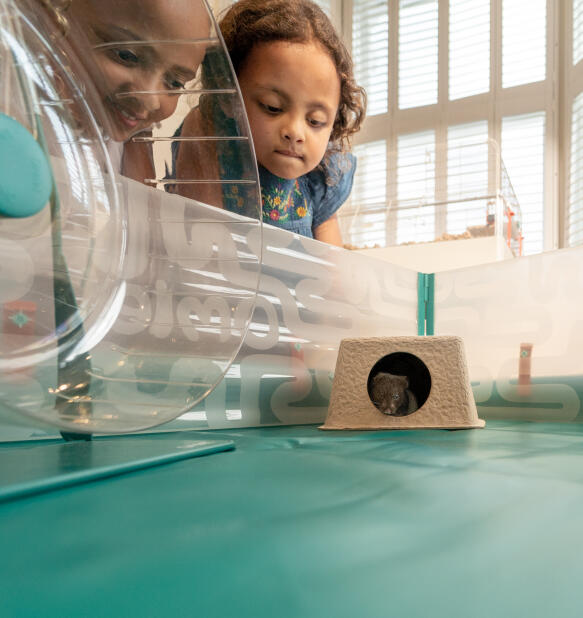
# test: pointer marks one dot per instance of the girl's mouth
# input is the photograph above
(289, 153)
(125, 117)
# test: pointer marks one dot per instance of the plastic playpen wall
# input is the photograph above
(312, 295)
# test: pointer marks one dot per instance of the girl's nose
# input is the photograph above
(149, 91)
(150, 101)
(293, 129)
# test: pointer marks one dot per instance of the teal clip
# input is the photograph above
(425, 304)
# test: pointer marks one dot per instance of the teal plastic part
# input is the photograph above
(38, 467)
(420, 304)
(425, 304)
(298, 523)
(430, 305)
(25, 175)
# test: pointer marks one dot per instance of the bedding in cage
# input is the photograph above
(430, 193)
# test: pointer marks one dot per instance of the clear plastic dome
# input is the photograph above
(124, 298)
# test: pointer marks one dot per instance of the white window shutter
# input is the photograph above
(469, 47)
(575, 208)
(370, 51)
(523, 147)
(468, 163)
(416, 187)
(363, 218)
(418, 34)
(524, 36)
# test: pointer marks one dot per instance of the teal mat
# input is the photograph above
(34, 467)
(298, 523)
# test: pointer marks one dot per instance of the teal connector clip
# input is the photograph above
(425, 303)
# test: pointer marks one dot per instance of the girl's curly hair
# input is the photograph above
(249, 22)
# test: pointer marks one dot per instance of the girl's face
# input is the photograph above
(136, 70)
(291, 93)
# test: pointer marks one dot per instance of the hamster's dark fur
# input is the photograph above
(391, 394)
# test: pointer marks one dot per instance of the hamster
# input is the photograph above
(391, 394)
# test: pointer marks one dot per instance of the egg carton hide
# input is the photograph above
(439, 393)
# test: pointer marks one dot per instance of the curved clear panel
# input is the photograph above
(126, 296)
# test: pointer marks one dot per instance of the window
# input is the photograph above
(417, 53)
(577, 30)
(575, 217)
(574, 209)
(370, 40)
(523, 155)
(416, 187)
(363, 219)
(468, 165)
(326, 5)
(523, 41)
(469, 47)
(448, 83)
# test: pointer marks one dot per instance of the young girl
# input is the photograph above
(303, 105)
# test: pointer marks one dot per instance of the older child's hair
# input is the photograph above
(249, 22)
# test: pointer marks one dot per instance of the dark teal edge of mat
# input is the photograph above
(22, 490)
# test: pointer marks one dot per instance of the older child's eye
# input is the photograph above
(126, 56)
(175, 84)
(316, 123)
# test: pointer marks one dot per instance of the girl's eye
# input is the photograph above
(126, 56)
(316, 123)
(175, 84)
(271, 109)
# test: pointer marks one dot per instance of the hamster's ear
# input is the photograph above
(379, 376)
(404, 380)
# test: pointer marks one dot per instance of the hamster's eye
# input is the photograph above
(396, 396)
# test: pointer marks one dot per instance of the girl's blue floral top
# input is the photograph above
(299, 205)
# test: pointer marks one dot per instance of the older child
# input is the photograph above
(303, 105)
(138, 55)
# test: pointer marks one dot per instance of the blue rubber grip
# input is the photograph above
(25, 175)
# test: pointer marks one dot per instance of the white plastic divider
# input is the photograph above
(311, 296)
(522, 326)
(519, 319)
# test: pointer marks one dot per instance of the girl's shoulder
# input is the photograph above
(330, 184)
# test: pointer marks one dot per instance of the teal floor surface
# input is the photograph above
(295, 522)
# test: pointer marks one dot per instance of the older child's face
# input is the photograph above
(291, 93)
(135, 72)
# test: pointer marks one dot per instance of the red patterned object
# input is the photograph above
(18, 317)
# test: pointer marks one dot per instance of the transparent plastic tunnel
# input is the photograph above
(130, 216)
